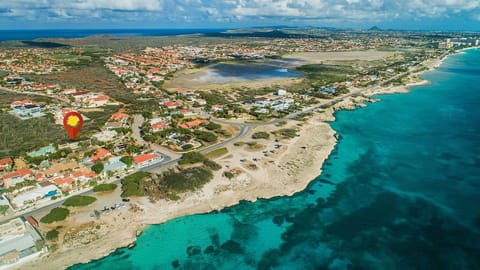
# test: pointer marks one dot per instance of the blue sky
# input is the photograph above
(396, 14)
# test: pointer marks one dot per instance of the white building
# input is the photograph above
(33, 195)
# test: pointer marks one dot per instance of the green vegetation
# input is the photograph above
(98, 167)
(212, 165)
(134, 184)
(238, 143)
(20, 136)
(52, 235)
(79, 200)
(3, 209)
(127, 160)
(187, 146)
(56, 214)
(214, 97)
(105, 187)
(205, 136)
(326, 74)
(192, 158)
(286, 133)
(98, 119)
(228, 174)
(260, 135)
(187, 179)
(217, 153)
(303, 116)
(212, 126)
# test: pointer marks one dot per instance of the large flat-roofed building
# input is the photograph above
(34, 195)
(14, 226)
(13, 247)
(18, 239)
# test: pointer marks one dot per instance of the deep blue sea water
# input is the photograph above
(77, 33)
(407, 196)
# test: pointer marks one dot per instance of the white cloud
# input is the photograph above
(241, 10)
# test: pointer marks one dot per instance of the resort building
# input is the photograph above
(33, 196)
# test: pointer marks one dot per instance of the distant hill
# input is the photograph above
(260, 34)
(375, 28)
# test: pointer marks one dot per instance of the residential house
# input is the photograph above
(105, 136)
(193, 123)
(201, 102)
(158, 126)
(83, 175)
(182, 92)
(16, 177)
(64, 182)
(217, 107)
(101, 154)
(144, 160)
(114, 164)
(120, 117)
(172, 104)
(6, 164)
(187, 112)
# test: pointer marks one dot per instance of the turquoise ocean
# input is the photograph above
(406, 173)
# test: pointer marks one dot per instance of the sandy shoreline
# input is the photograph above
(294, 166)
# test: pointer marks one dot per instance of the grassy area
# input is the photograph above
(134, 184)
(105, 187)
(326, 74)
(260, 135)
(192, 158)
(79, 200)
(217, 153)
(286, 133)
(56, 214)
(212, 165)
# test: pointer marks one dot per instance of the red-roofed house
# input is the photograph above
(21, 103)
(172, 104)
(158, 126)
(6, 163)
(145, 159)
(194, 123)
(182, 92)
(98, 101)
(83, 175)
(65, 183)
(39, 177)
(187, 112)
(16, 177)
(101, 154)
(119, 116)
